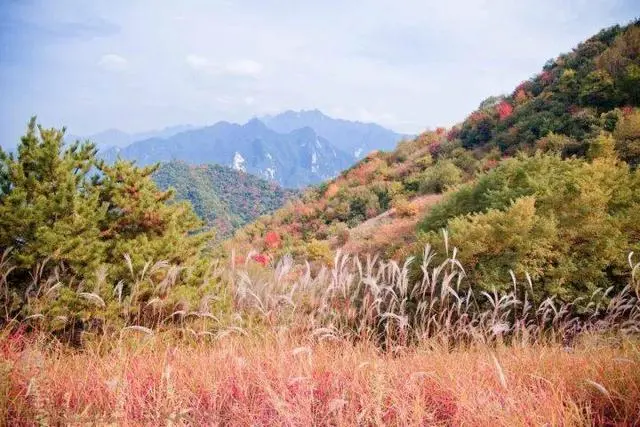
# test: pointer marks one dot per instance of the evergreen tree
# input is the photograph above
(54, 215)
(140, 221)
(48, 208)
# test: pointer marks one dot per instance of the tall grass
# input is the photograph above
(376, 300)
(355, 299)
(355, 343)
(280, 379)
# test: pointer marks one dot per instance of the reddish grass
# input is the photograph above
(389, 231)
(277, 380)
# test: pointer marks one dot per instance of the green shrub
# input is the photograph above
(627, 136)
(319, 251)
(565, 222)
(439, 177)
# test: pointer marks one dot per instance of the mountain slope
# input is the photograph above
(584, 104)
(355, 138)
(293, 159)
(575, 95)
(224, 198)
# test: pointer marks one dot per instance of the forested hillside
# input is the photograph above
(223, 197)
(576, 96)
(541, 182)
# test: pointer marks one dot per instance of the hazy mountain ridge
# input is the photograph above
(295, 158)
(117, 138)
(356, 138)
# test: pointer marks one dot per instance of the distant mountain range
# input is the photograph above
(294, 149)
(356, 138)
(294, 159)
(117, 138)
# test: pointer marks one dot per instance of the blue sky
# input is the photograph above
(145, 64)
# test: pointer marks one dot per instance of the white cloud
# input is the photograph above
(244, 67)
(241, 68)
(226, 100)
(366, 115)
(113, 62)
(197, 62)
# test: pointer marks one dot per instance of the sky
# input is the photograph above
(139, 65)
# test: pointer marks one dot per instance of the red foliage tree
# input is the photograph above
(261, 259)
(523, 86)
(627, 110)
(434, 148)
(272, 239)
(546, 77)
(504, 110)
(477, 116)
(453, 134)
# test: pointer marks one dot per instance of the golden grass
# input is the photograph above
(280, 380)
(354, 344)
(389, 232)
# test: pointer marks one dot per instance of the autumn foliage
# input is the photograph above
(272, 239)
(261, 259)
(484, 275)
(271, 381)
(504, 110)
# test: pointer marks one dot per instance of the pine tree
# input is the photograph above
(49, 210)
(56, 218)
(140, 220)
